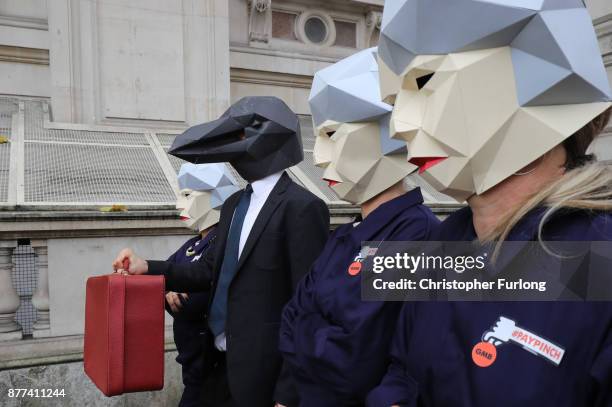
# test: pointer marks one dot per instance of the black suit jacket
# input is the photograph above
(287, 236)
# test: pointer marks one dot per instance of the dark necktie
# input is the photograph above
(218, 308)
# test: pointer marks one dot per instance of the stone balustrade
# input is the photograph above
(9, 300)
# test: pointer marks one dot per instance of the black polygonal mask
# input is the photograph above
(258, 135)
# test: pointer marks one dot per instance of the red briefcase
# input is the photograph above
(124, 333)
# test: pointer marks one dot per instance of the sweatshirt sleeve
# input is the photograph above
(601, 374)
(397, 387)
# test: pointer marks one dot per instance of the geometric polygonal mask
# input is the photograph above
(258, 135)
(203, 190)
(483, 88)
(353, 143)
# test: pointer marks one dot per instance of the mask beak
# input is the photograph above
(215, 141)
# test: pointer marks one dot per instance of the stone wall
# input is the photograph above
(155, 64)
(80, 391)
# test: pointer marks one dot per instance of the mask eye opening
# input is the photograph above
(330, 133)
(422, 80)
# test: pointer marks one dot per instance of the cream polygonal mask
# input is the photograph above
(203, 189)
(352, 130)
(482, 88)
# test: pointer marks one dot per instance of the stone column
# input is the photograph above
(9, 300)
(40, 298)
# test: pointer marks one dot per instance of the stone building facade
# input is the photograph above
(92, 93)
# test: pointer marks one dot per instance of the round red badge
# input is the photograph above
(354, 268)
(484, 354)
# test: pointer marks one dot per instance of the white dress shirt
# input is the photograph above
(261, 192)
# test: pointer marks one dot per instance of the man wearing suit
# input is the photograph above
(268, 236)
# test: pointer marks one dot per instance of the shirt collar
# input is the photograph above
(263, 187)
(209, 236)
(383, 215)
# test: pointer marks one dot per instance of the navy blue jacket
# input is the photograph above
(432, 348)
(196, 305)
(336, 344)
(189, 323)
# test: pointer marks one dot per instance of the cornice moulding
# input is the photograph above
(23, 55)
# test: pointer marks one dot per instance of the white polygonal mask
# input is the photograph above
(352, 130)
(203, 189)
(490, 87)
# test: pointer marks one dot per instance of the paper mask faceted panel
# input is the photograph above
(203, 190)
(483, 88)
(352, 124)
(258, 135)
(348, 91)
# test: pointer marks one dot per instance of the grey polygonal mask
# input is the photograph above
(554, 47)
(258, 135)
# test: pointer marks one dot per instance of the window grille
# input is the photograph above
(68, 166)
(85, 166)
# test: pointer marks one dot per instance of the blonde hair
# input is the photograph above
(586, 185)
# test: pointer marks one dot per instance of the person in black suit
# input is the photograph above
(268, 236)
